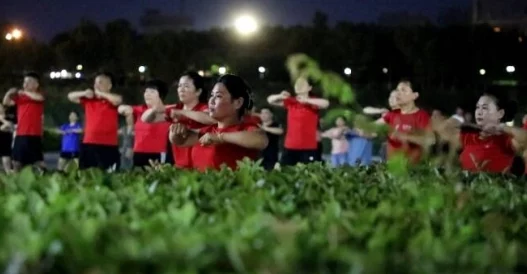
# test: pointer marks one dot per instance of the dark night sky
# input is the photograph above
(45, 18)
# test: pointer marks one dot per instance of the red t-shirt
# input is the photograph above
(29, 115)
(183, 155)
(252, 119)
(492, 154)
(149, 137)
(214, 156)
(101, 122)
(302, 125)
(419, 120)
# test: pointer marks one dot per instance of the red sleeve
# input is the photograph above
(83, 100)
(289, 101)
(388, 117)
(204, 130)
(203, 107)
(467, 138)
(16, 98)
(424, 120)
(137, 111)
(250, 127)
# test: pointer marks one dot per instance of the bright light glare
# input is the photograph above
(142, 69)
(78, 75)
(8, 37)
(347, 71)
(482, 72)
(222, 70)
(510, 69)
(16, 33)
(261, 69)
(385, 70)
(63, 73)
(246, 25)
(52, 75)
(79, 67)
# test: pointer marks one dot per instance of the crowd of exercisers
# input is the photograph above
(208, 130)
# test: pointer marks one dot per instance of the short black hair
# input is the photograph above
(500, 96)
(238, 88)
(199, 83)
(106, 74)
(160, 86)
(33, 75)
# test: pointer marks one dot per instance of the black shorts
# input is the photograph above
(99, 156)
(68, 155)
(291, 157)
(27, 150)
(142, 159)
(6, 144)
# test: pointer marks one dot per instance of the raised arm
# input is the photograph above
(125, 110)
(154, 114)
(75, 96)
(317, 102)
(198, 116)
(114, 99)
(181, 136)
(273, 130)
(374, 111)
(35, 96)
(8, 98)
(254, 139)
(278, 99)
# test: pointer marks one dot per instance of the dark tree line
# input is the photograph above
(443, 62)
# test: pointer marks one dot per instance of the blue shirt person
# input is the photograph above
(71, 139)
(360, 148)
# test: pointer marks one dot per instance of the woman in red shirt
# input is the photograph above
(490, 145)
(192, 111)
(230, 139)
(150, 138)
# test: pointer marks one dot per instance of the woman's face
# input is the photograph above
(151, 96)
(186, 90)
(221, 104)
(487, 112)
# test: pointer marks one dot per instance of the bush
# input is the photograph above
(299, 220)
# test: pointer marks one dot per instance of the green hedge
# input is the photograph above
(299, 220)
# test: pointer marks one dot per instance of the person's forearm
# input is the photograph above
(247, 139)
(318, 102)
(198, 116)
(274, 130)
(35, 96)
(115, 99)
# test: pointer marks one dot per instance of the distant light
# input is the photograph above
(497, 29)
(246, 25)
(79, 67)
(261, 69)
(16, 33)
(201, 73)
(520, 39)
(510, 69)
(78, 75)
(9, 37)
(52, 75)
(63, 73)
(385, 70)
(482, 72)
(222, 70)
(141, 69)
(347, 71)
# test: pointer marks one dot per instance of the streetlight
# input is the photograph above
(141, 69)
(222, 70)
(246, 25)
(15, 34)
(347, 71)
(482, 72)
(261, 69)
(510, 69)
(385, 70)
(79, 67)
